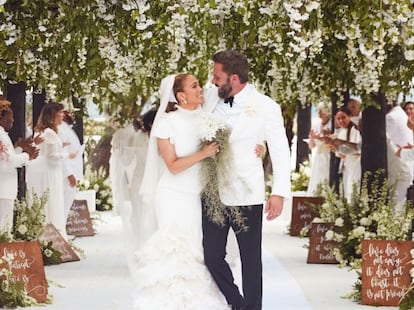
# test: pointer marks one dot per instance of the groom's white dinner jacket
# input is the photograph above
(9, 161)
(254, 119)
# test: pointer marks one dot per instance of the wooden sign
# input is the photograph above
(386, 268)
(79, 220)
(50, 233)
(303, 213)
(320, 249)
(27, 267)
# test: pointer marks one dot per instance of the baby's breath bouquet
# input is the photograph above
(216, 170)
(97, 181)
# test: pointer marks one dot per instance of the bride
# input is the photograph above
(168, 266)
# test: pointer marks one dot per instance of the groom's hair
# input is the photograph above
(233, 63)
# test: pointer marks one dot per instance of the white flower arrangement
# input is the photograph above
(300, 179)
(96, 180)
(407, 301)
(368, 216)
(210, 126)
(12, 295)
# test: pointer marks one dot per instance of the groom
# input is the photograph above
(254, 119)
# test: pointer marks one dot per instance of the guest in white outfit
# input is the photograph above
(409, 108)
(253, 119)
(354, 107)
(10, 159)
(45, 174)
(400, 135)
(321, 152)
(72, 168)
(396, 125)
(347, 146)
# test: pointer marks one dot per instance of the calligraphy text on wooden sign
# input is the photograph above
(386, 268)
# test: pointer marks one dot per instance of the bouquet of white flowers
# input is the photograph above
(215, 171)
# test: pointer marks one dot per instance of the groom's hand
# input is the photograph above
(274, 207)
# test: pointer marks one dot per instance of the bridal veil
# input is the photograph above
(154, 167)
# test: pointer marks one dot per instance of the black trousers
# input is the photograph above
(250, 246)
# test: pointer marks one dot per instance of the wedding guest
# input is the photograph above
(354, 107)
(400, 135)
(10, 159)
(409, 108)
(346, 146)
(396, 125)
(254, 119)
(72, 168)
(399, 177)
(321, 153)
(45, 174)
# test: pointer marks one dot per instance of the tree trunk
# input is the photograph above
(78, 121)
(303, 128)
(39, 101)
(16, 94)
(334, 160)
(374, 142)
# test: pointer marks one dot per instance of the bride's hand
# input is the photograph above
(210, 150)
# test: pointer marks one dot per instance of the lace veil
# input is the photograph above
(154, 166)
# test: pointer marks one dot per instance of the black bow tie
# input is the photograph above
(229, 100)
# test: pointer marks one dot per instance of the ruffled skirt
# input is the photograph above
(170, 274)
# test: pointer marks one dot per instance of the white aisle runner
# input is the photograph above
(101, 281)
(280, 289)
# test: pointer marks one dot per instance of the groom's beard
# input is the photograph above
(225, 90)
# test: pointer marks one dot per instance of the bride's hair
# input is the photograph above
(177, 87)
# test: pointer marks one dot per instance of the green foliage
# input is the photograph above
(29, 223)
(300, 179)
(29, 217)
(120, 50)
(93, 127)
(50, 255)
(368, 216)
(12, 294)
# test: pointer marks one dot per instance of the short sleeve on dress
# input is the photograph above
(164, 130)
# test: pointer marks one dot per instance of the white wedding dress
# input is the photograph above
(45, 174)
(169, 269)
